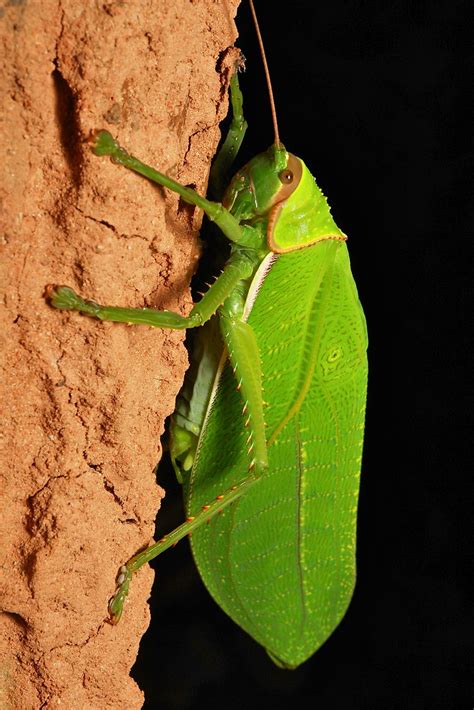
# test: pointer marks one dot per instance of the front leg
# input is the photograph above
(228, 151)
(243, 235)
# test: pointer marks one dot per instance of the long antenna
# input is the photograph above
(267, 75)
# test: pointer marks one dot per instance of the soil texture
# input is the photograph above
(84, 402)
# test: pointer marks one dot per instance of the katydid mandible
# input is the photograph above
(268, 427)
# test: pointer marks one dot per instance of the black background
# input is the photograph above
(373, 97)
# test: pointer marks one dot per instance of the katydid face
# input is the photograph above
(267, 179)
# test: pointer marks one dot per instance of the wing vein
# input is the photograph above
(299, 541)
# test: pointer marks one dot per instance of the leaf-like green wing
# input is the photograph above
(281, 560)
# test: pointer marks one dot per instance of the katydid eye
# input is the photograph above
(286, 177)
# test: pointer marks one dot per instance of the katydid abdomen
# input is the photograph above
(281, 562)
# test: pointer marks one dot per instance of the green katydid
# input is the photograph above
(268, 428)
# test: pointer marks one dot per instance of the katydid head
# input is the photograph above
(276, 189)
(266, 180)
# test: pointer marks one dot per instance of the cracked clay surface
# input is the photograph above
(83, 402)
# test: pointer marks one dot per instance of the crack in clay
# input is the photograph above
(61, 30)
(110, 488)
(49, 480)
(68, 127)
(69, 644)
(77, 407)
(108, 485)
(112, 227)
(205, 129)
(17, 618)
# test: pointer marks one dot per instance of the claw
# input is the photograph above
(103, 143)
(62, 297)
(117, 601)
